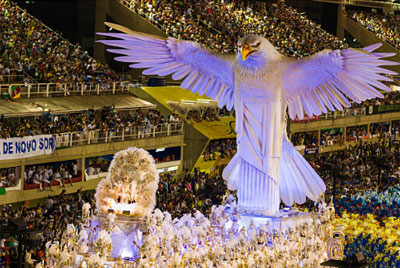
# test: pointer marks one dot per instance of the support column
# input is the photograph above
(21, 177)
(180, 168)
(368, 130)
(319, 137)
(83, 169)
(102, 8)
(340, 21)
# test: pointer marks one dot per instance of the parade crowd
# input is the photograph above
(223, 148)
(42, 55)
(365, 166)
(195, 191)
(106, 119)
(307, 139)
(50, 218)
(392, 97)
(208, 114)
(386, 27)
(219, 24)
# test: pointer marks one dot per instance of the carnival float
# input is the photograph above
(249, 230)
(124, 230)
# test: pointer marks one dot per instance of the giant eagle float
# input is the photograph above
(262, 84)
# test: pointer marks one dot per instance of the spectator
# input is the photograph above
(66, 176)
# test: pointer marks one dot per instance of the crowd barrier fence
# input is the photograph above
(29, 90)
(69, 139)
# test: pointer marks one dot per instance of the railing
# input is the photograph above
(365, 3)
(351, 112)
(64, 89)
(12, 77)
(69, 139)
(15, 187)
(373, 4)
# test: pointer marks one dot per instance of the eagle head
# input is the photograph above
(255, 50)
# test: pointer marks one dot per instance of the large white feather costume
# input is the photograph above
(261, 86)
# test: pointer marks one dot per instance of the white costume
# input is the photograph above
(262, 84)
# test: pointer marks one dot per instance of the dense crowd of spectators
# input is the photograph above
(29, 47)
(306, 139)
(51, 218)
(44, 175)
(223, 148)
(208, 114)
(336, 136)
(195, 191)
(395, 127)
(380, 130)
(220, 24)
(385, 27)
(8, 75)
(390, 98)
(356, 133)
(365, 166)
(106, 119)
(330, 137)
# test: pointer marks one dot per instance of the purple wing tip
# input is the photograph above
(389, 54)
(372, 47)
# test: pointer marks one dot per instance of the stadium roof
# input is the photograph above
(71, 104)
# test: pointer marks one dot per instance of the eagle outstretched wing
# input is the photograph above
(206, 72)
(327, 80)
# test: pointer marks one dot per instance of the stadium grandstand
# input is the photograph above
(65, 112)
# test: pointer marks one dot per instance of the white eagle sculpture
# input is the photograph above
(262, 84)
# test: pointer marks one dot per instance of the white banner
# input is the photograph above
(28, 146)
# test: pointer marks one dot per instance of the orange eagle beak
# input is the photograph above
(246, 51)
